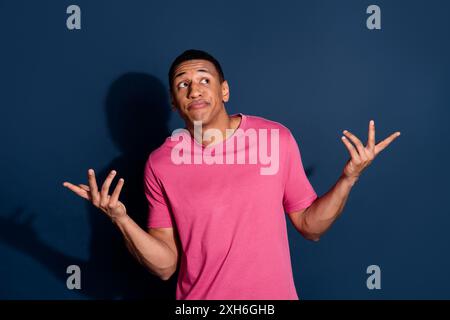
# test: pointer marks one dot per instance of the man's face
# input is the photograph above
(197, 93)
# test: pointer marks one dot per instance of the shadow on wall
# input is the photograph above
(137, 110)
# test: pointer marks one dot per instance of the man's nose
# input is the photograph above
(194, 91)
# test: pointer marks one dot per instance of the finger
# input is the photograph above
(383, 144)
(94, 189)
(371, 136)
(84, 187)
(116, 193)
(105, 188)
(77, 190)
(351, 149)
(358, 144)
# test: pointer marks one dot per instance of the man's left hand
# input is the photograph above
(362, 156)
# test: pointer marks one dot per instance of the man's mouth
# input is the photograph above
(197, 104)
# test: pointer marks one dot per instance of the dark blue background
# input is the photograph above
(97, 97)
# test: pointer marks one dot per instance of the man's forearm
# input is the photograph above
(325, 210)
(151, 252)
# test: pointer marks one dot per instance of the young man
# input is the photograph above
(218, 191)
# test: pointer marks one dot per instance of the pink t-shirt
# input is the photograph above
(230, 217)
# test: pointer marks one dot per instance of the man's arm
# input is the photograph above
(315, 220)
(156, 249)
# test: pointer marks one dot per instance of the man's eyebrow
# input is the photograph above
(199, 70)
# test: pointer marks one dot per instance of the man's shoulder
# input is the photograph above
(160, 155)
(258, 122)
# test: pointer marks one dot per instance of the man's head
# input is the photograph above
(198, 88)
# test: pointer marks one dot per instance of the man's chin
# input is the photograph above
(199, 115)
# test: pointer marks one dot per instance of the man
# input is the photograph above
(222, 222)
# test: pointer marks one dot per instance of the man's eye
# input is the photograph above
(205, 80)
(182, 84)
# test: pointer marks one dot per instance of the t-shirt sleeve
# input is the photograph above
(159, 215)
(298, 192)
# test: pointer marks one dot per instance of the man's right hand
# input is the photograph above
(109, 204)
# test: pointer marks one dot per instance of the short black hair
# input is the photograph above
(193, 54)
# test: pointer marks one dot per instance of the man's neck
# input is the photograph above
(224, 123)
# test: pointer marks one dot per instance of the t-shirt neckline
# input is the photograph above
(236, 132)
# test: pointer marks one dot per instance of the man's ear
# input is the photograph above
(225, 91)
